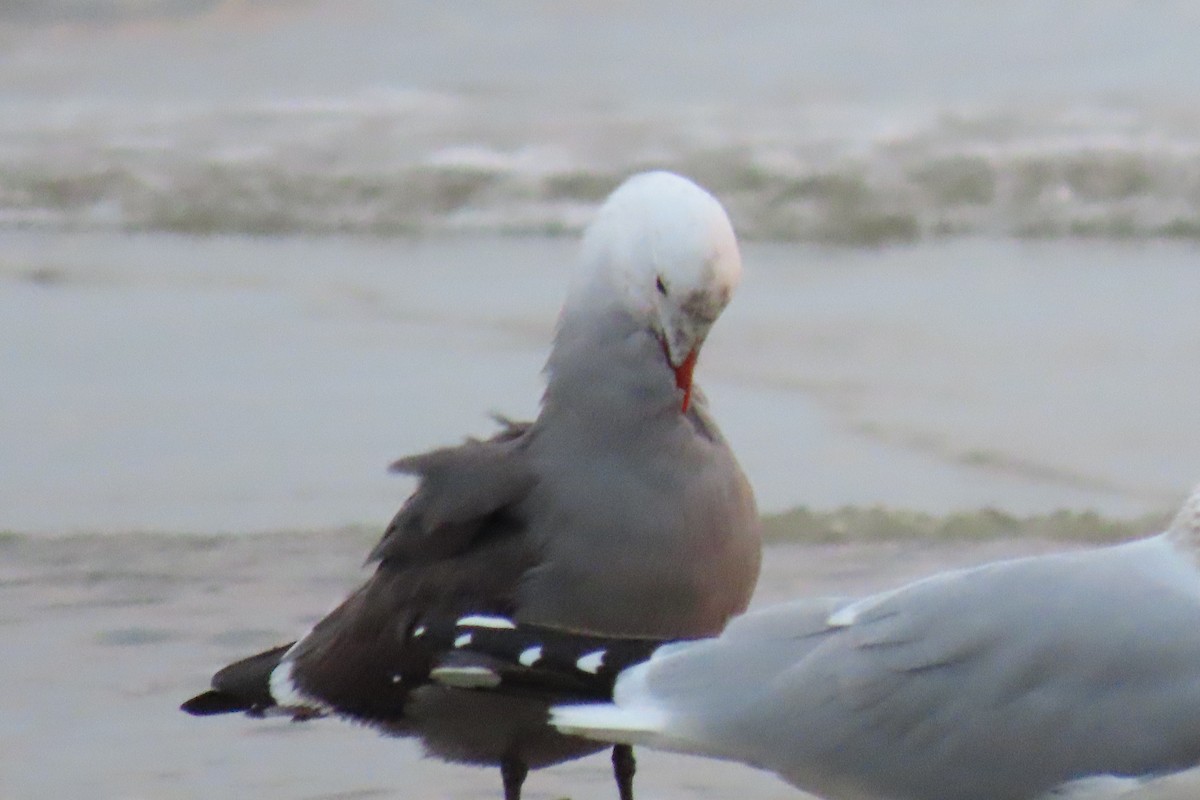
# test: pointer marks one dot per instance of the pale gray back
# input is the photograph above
(999, 683)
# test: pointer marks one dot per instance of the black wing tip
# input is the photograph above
(244, 685)
(215, 701)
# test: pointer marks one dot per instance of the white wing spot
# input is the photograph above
(530, 656)
(396, 679)
(591, 662)
(419, 631)
(463, 641)
(465, 677)
(485, 621)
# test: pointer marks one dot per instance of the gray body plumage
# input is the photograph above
(612, 522)
(642, 516)
(1016, 680)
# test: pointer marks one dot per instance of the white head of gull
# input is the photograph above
(662, 250)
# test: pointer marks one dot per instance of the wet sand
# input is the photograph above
(234, 384)
(105, 635)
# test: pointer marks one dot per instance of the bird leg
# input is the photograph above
(624, 765)
(513, 772)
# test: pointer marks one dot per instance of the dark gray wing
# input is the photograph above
(463, 493)
(457, 545)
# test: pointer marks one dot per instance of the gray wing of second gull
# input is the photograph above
(997, 683)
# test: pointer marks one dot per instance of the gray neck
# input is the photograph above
(609, 368)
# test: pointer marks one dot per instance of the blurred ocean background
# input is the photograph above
(251, 251)
(853, 123)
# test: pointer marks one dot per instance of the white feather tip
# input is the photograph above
(607, 723)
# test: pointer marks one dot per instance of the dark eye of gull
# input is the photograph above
(662, 287)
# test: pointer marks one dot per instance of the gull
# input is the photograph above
(620, 510)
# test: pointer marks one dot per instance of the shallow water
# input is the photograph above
(159, 382)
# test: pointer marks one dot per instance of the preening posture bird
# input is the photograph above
(619, 510)
(1058, 676)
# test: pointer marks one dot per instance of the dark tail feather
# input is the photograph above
(242, 686)
(215, 702)
(493, 653)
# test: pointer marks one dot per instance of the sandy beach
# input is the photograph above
(105, 635)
